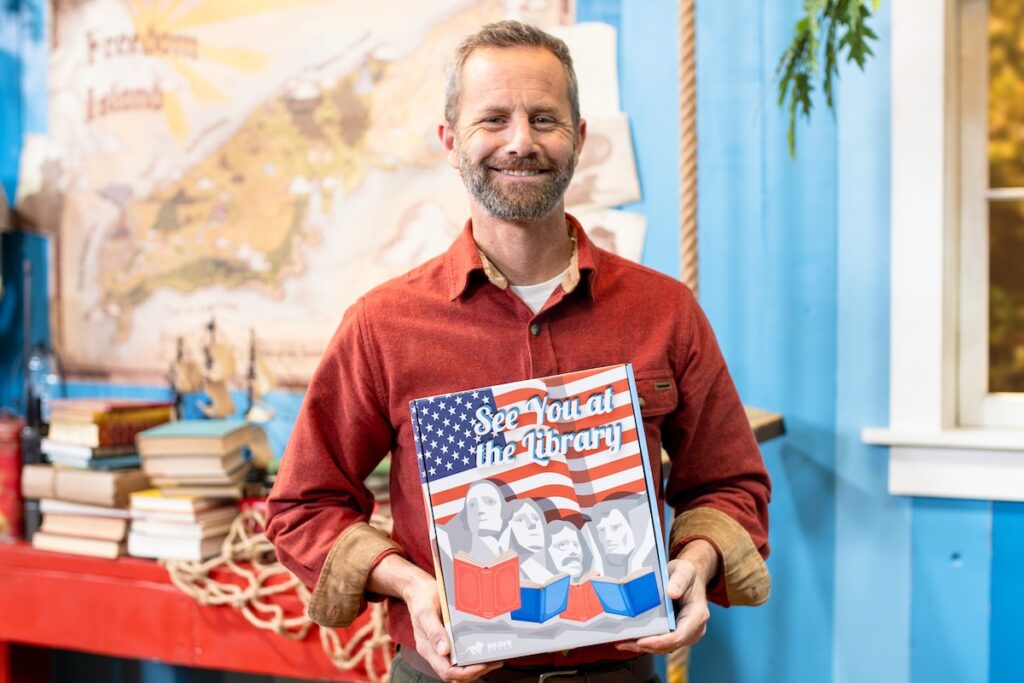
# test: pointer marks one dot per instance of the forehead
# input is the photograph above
(481, 489)
(507, 76)
(613, 516)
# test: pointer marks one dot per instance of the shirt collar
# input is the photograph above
(465, 258)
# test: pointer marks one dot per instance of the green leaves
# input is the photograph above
(843, 26)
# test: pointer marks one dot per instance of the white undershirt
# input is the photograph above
(535, 296)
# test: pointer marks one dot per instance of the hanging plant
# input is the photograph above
(832, 27)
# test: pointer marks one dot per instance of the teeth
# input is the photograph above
(520, 174)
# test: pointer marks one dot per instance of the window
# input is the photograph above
(956, 408)
(992, 213)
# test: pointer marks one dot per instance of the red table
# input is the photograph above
(128, 608)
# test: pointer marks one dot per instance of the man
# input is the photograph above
(617, 543)
(521, 293)
(484, 520)
(623, 550)
(565, 549)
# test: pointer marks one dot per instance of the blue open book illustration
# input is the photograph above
(539, 495)
(630, 596)
(540, 603)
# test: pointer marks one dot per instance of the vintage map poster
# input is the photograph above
(262, 162)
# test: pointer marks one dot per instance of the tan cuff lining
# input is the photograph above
(341, 589)
(747, 581)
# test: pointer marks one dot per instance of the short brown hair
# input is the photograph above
(507, 34)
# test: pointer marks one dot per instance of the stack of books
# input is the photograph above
(200, 458)
(85, 511)
(100, 433)
(178, 527)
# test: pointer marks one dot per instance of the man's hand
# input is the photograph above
(400, 578)
(688, 577)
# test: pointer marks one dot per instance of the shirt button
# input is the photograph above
(535, 330)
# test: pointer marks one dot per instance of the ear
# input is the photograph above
(581, 137)
(446, 134)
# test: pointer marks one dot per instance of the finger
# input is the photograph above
(464, 674)
(630, 647)
(427, 624)
(692, 624)
(681, 577)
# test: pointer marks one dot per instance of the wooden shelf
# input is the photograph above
(766, 424)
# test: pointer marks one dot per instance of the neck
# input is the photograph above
(525, 253)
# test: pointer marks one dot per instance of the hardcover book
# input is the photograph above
(543, 516)
(195, 438)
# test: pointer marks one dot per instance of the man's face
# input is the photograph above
(515, 143)
(484, 506)
(527, 529)
(615, 534)
(566, 552)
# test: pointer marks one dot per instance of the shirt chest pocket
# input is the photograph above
(656, 393)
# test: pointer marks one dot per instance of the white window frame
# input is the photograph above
(978, 406)
(933, 453)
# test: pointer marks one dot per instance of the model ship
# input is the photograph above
(217, 372)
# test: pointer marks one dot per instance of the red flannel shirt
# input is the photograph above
(446, 326)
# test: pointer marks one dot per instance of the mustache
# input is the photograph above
(517, 164)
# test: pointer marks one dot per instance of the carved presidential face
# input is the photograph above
(483, 507)
(527, 526)
(615, 534)
(565, 551)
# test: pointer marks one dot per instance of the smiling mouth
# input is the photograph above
(518, 173)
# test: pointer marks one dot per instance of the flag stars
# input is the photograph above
(447, 422)
(448, 465)
(444, 449)
(432, 471)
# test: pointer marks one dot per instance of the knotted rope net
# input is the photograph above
(258, 577)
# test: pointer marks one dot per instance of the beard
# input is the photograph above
(522, 202)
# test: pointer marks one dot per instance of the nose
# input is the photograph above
(520, 137)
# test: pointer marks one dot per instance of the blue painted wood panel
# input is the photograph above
(768, 283)
(648, 86)
(952, 560)
(1006, 643)
(872, 616)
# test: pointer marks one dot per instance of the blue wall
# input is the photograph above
(768, 283)
(794, 263)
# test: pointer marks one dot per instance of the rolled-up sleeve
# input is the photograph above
(319, 506)
(717, 484)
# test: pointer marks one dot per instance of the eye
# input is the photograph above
(543, 121)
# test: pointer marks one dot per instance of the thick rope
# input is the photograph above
(248, 554)
(678, 660)
(688, 142)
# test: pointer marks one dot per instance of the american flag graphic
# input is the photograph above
(446, 445)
